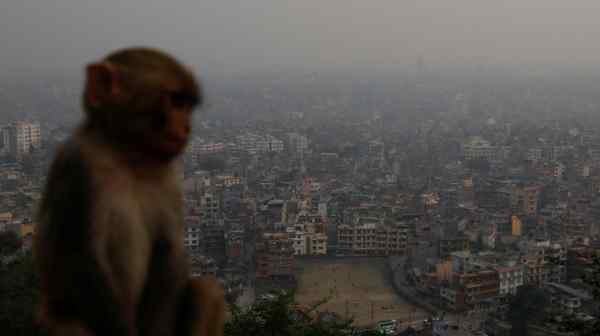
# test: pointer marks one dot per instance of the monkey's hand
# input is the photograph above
(203, 308)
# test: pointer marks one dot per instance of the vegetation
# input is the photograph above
(526, 307)
(18, 296)
(9, 243)
(277, 316)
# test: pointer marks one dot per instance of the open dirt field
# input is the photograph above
(356, 287)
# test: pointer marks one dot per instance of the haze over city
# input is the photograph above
(407, 167)
(238, 37)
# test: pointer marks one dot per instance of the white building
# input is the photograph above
(534, 154)
(192, 239)
(254, 143)
(478, 148)
(21, 138)
(372, 239)
(511, 278)
(297, 143)
(199, 147)
(308, 239)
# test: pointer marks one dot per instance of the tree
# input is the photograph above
(19, 295)
(281, 316)
(527, 306)
(9, 243)
(278, 316)
(592, 279)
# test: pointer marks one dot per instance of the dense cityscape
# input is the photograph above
(435, 210)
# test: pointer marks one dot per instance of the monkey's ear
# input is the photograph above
(102, 84)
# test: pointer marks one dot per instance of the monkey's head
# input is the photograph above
(141, 100)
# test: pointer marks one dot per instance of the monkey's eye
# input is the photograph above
(181, 100)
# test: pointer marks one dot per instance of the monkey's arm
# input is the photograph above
(76, 278)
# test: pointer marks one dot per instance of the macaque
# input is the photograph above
(109, 244)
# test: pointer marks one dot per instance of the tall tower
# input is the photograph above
(21, 138)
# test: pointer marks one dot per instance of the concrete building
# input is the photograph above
(297, 143)
(201, 266)
(199, 148)
(372, 239)
(255, 144)
(525, 199)
(535, 261)
(478, 148)
(510, 279)
(446, 246)
(308, 239)
(193, 235)
(21, 138)
(274, 256)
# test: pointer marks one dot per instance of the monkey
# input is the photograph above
(109, 240)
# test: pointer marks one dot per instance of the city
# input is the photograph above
(410, 223)
(396, 168)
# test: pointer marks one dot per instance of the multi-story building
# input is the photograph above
(556, 265)
(193, 236)
(376, 152)
(470, 288)
(274, 256)
(525, 199)
(510, 279)
(477, 286)
(201, 266)
(478, 149)
(199, 148)
(373, 239)
(5, 221)
(297, 143)
(308, 238)
(453, 244)
(575, 221)
(534, 261)
(534, 154)
(21, 138)
(254, 143)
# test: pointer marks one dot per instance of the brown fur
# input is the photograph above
(109, 246)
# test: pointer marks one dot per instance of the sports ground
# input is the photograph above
(354, 287)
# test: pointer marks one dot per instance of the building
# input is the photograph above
(308, 239)
(373, 239)
(297, 143)
(534, 261)
(525, 199)
(454, 244)
(201, 266)
(275, 256)
(193, 236)
(510, 279)
(569, 300)
(477, 286)
(199, 148)
(479, 149)
(471, 287)
(21, 138)
(376, 153)
(255, 144)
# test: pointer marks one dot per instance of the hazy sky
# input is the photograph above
(249, 35)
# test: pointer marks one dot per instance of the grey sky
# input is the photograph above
(241, 35)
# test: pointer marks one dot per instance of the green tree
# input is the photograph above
(592, 279)
(9, 243)
(281, 316)
(19, 295)
(527, 306)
